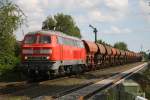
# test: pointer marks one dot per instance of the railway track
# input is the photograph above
(61, 86)
(89, 91)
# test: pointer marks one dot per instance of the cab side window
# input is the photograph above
(60, 40)
(69, 42)
(81, 44)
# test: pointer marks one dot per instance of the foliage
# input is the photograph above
(121, 46)
(103, 42)
(144, 80)
(145, 56)
(149, 56)
(63, 23)
(11, 17)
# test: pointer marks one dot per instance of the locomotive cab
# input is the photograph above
(37, 52)
(36, 47)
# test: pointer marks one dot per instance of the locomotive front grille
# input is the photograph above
(37, 58)
(36, 51)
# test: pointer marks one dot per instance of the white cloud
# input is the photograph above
(91, 4)
(144, 4)
(34, 12)
(71, 4)
(117, 30)
(97, 15)
(30, 5)
(117, 4)
(50, 3)
(118, 8)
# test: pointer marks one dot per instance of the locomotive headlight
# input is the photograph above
(25, 57)
(47, 57)
(27, 51)
(45, 51)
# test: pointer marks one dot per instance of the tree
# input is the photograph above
(63, 23)
(121, 46)
(103, 42)
(145, 55)
(49, 23)
(149, 56)
(11, 17)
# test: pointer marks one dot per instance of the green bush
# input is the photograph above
(8, 62)
(10, 69)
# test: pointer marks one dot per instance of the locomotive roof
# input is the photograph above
(53, 33)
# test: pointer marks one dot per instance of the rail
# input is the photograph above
(90, 90)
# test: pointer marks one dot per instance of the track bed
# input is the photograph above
(55, 88)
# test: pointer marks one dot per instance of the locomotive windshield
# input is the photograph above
(30, 39)
(44, 39)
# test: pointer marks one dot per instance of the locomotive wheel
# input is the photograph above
(53, 74)
(83, 68)
(76, 69)
(31, 76)
(68, 70)
(61, 70)
(46, 75)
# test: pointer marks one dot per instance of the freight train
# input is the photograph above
(49, 53)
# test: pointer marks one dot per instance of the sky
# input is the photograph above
(115, 20)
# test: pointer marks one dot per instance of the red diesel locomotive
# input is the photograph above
(49, 53)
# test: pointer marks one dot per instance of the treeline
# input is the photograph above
(11, 17)
(119, 45)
